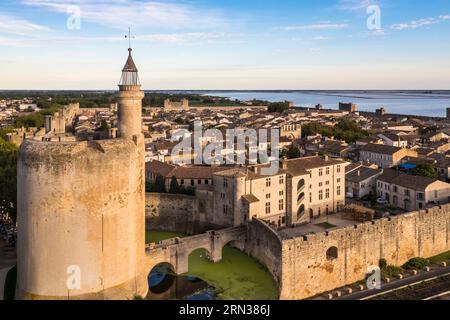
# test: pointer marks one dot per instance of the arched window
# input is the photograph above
(301, 196)
(300, 184)
(332, 253)
(301, 211)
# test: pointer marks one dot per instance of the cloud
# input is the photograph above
(320, 38)
(123, 13)
(354, 5)
(191, 38)
(318, 26)
(17, 26)
(420, 23)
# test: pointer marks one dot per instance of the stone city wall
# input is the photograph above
(306, 270)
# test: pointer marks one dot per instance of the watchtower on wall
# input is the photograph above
(81, 211)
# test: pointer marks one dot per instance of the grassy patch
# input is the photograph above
(416, 264)
(10, 284)
(157, 236)
(440, 258)
(391, 272)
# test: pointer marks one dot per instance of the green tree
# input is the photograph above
(160, 184)
(8, 178)
(293, 152)
(425, 170)
(174, 186)
(278, 107)
(104, 126)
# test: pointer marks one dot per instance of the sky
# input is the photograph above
(226, 44)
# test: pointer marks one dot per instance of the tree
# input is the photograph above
(103, 126)
(278, 107)
(425, 170)
(160, 184)
(8, 178)
(174, 186)
(293, 152)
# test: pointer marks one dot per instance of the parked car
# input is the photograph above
(382, 201)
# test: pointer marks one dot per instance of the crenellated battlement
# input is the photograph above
(335, 258)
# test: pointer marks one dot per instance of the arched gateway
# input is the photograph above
(176, 251)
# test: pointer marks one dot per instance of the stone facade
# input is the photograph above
(81, 211)
(306, 270)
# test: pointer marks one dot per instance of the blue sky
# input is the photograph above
(226, 44)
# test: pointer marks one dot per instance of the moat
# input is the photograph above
(236, 277)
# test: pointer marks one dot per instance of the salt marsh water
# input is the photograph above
(422, 103)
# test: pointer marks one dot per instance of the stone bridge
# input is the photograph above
(176, 251)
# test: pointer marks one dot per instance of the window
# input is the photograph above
(320, 172)
(268, 196)
(327, 171)
(420, 196)
(199, 181)
(268, 182)
(338, 169)
(192, 183)
(395, 189)
(301, 211)
(436, 195)
(206, 181)
(407, 192)
(339, 180)
(281, 205)
(327, 194)
(300, 184)
(321, 195)
(332, 253)
(281, 179)
(281, 193)
(327, 183)
(225, 209)
(182, 181)
(310, 197)
(320, 184)
(225, 183)
(267, 207)
(222, 196)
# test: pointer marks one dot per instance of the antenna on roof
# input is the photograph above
(129, 37)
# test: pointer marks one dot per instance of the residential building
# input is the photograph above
(384, 156)
(411, 192)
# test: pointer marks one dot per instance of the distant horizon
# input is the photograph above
(226, 44)
(237, 90)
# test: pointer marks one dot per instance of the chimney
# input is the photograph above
(326, 157)
(284, 163)
(359, 173)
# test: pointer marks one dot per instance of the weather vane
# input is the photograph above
(129, 37)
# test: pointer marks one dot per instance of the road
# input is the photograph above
(398, 284)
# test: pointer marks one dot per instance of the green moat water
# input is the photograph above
(236, 277)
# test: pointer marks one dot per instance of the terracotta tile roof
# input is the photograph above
(362, 174)
(409, 181)
(380, 148)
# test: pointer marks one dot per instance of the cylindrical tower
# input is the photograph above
(130, 100)
(81, 214)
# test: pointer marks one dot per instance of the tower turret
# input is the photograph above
(130, 100)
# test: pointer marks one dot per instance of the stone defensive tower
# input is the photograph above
(81, 211)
